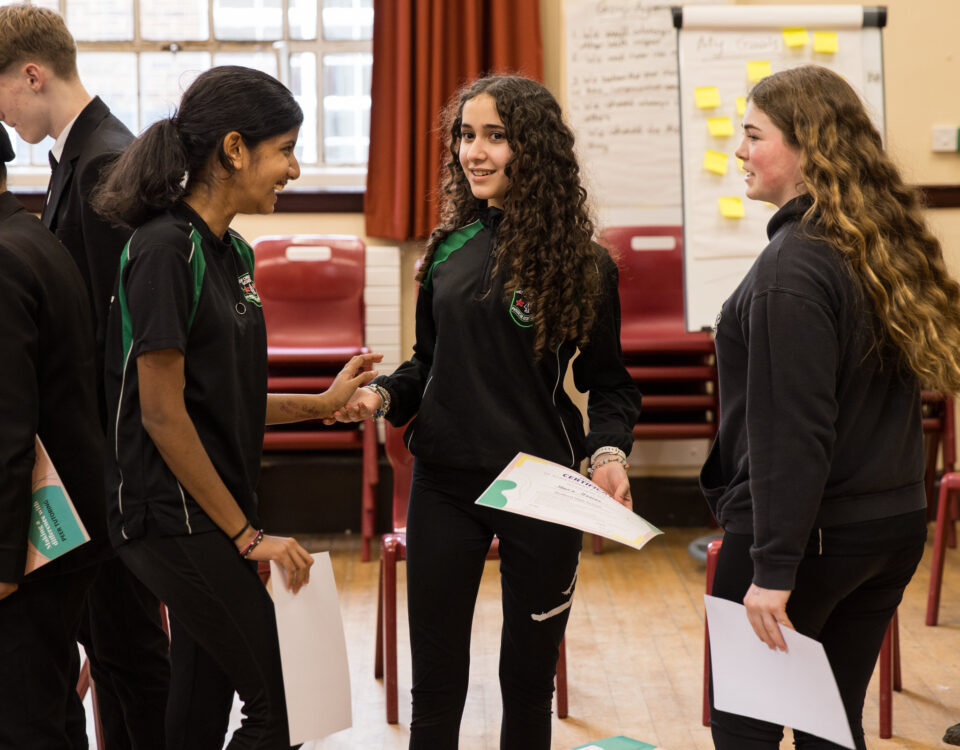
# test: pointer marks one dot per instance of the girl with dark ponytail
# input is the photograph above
(186, 393)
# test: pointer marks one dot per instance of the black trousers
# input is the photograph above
(845, 599)
(447, 541)
(39, 705)
(223, 639)
(122, 634)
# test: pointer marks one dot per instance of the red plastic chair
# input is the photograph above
(311, 287)
(673, 368)
(393, 548)
(889, 660)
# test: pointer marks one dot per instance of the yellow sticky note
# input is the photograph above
(731, 208)
(706, 97)
(757, 69)
(825, 42)
(720, 127)
(741, 105)
(740, 165)
(715, 161)
(796, 37)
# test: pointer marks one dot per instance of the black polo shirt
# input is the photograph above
(181, 287)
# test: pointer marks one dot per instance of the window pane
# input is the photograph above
(27, 155)
(113, 75)
(100, 20)
(259, 20)
(346, 108)
(302, 18)
(174, 20)
(347, 19)
(303, 84)
(48, 4)
(164, 76)
(264, 61)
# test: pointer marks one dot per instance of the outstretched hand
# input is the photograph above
(362, 405)
(767, 612)
(354, 374)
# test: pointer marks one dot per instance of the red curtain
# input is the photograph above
(423, 51)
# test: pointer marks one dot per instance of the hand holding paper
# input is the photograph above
(533, 487)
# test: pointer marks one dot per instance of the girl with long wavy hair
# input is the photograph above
(510, 287)
(816, 475)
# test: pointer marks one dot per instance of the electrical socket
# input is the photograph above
(945, 138)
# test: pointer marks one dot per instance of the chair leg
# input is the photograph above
(597, 544)
(930, 472)
(948, 484)
(562, 680)
(713, 549)
(389, 568)
(378, 653)
(895, 625)
(886, 688)
(368, 497)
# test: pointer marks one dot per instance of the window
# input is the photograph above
(140, 55)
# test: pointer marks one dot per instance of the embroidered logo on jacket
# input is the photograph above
(520, 310)
(249, 289)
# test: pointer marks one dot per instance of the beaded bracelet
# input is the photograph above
(384, 395)
(253, 543)
(605, 450)
(606, 460)
(240, 533)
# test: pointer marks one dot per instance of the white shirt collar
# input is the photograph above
(57, 150)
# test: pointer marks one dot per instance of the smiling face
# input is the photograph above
(271, 165)
(484, 150)
(772, 166)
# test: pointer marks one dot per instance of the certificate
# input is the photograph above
(542, 489)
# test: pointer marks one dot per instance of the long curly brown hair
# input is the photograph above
(544, 241)
(862, 207)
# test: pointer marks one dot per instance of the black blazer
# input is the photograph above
(47, 387)
(95, 140)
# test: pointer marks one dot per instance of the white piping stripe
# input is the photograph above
(186, 511)
(573, 457)
(116, 441)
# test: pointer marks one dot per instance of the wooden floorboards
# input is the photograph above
(635, 654)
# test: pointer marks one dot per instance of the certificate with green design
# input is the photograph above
(617, 743)
(542, 489)
(55, 527)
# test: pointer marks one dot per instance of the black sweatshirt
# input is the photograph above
(478, 394)
(816, 428)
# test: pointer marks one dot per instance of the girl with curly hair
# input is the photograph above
(816, 475)
(510, 287)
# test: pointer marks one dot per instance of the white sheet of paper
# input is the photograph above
(796, 689)
(542, 489)
(313, 651)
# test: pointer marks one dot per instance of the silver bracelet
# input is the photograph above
(607, 460)
(384, 395)
(607, 449)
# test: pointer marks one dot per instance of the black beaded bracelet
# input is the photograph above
(240, 533)
(250, 547)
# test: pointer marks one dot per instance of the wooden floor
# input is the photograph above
(635, 654)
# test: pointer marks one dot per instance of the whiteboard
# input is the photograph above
(719, 47)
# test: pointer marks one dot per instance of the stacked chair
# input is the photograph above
(312, 288)
(673, 368)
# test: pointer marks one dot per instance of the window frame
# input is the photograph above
(324, 180)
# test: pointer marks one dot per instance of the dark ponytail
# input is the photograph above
(158, 168)
(146, 180)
